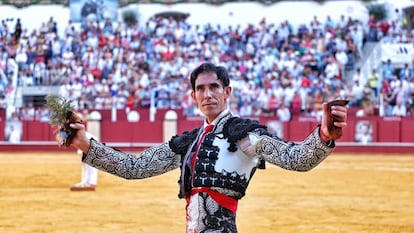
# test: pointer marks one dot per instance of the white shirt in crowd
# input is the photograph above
(283, 113)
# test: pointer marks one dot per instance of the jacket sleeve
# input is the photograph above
(150, 162)
(301, 156)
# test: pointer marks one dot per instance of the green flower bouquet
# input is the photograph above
(62, 115)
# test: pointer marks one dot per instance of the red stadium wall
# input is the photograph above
(387, 134)
(124, 131)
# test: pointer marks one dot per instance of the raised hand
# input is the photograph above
(334, 119)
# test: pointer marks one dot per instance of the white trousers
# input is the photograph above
(89, 173)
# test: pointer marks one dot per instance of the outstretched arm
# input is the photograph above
(150, 162)
(301, 156)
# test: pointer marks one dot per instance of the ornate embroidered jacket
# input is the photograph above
(220, 163)
(226, 161)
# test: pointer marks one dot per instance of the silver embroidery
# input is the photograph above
(151, 162)
(291, 156)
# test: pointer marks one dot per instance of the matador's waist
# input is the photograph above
(222, 199)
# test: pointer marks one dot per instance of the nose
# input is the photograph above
(207, 93)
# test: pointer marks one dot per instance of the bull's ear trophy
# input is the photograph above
(335, 132)
(62, 115)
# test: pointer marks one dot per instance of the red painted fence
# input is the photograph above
(393, 130)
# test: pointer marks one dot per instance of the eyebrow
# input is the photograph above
(213, 84)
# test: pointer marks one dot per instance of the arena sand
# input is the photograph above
(346, 193)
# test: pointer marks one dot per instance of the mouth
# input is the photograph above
(208, 104)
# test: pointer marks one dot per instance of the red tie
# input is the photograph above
(207, 129)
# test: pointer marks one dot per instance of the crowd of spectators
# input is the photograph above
(105, 65)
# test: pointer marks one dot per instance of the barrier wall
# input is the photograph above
(361, 134)
(382, 130)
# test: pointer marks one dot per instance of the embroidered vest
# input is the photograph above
(227, 131)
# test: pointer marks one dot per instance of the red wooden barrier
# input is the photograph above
(37, 131)
(124, 131)
(380, 129)
(407, 130)
(298, 130)
(390, 129)
(388, 135)
(189, 124)
(348, 134)
(2, 126)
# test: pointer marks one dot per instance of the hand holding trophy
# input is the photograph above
(62, 115)
(335, 132)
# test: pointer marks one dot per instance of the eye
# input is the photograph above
(199, 88)
(215, 86)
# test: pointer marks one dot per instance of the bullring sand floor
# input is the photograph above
(346, 193)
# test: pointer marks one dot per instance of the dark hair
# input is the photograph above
(208, 67)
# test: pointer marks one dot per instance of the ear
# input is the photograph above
(227, 91)
(193, 96)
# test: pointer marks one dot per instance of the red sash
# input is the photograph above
(223, 200)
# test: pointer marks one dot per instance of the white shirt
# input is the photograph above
(399, 110)
(283, 114)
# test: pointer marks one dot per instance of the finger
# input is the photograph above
(338, 114)
(339, 111)
(76, 125)
(338, 108)
(340, 124)
(325, 107)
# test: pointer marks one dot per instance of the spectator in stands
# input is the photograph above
(368, 109)
(373, 80)
(13, 128)
(218, 159)
(27, 113)
(342, 59)
(283, 113)
(175, 100)
(357, 35)
(385, 109)
(317, 104)
(273, 104)
(351, 51)
(394, 83)
(411, 91)
(384, 26)
(399, 109)
(3, 83)
(26, 77)
(401, 93)
(145, 101)
(406, 73)
(3, 102)
(262, 57)
(296, 107)
(386, 91)
(332, 69)
(367, 93)
(21, 57)
(246, 109)
(358, 76)
(42, 114)
(67, 57)
(356, 91)
(388, 70)
(256, 109)
(329, 23)
(372, 28)
(120, 101)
